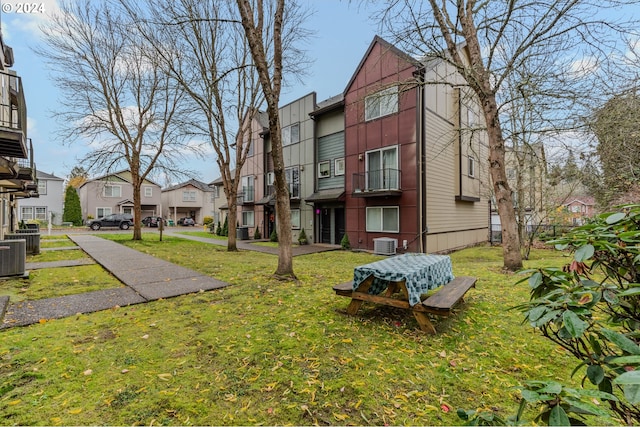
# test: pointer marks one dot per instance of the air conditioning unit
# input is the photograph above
(385, 246)
(13, 256)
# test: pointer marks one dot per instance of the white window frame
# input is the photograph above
(289, 137)
(289, 175)
(389, 175)
(380, 228)
(295, 219)
(339, 166)
(248, 218)
(148, 191)
(40, 213)
(248, 182)
(471, 167)
(270, 178)
(324, 169)
(26, 213)
(381, 103)
(106, 211)
(112, 187)
(189, 195)
(42, 187)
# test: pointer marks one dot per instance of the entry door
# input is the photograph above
(325, 226)
(340, 229)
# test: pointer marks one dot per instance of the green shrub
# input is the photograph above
(274, 236)
(219, 229)
(256, 234)
(225, 227)
(346, 245)
(207, 220)
(590, 308)
(302, 238)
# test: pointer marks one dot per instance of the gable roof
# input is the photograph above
(388, 47)
(42, 175)
(123, 175)
(192, 182)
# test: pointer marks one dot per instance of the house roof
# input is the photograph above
(192, 182)
(123, 175)
(42, 175)
(218, 181)
(329, 104)
(583, 200)
(389, 47)
(328, 195)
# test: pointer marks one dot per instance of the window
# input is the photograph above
(247, 218)
(270, 178)
(295, 219)
(291, 134)
(189, 196)
(247, 188)
(26, 213)
(339, 167)
(382, 169)
(324, 169)
(472, 167)
(112, 191)
(100, 212)
(381, 103)
(293, 180)
(42, 187)
(383, 219)
(148, 191)
(41, 213)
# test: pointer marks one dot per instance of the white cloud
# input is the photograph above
(20, 17)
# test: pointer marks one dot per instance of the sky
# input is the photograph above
(342, 34)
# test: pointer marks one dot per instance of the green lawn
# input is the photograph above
(270, 352)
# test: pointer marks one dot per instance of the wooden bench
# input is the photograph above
(440, 303)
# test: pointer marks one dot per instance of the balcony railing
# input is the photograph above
(374, 183)
(294, 190)
(246, 195)
(13, 117)
(26, 167)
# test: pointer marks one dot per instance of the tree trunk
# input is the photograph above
(232, 217)
(501, 188)
(137, 209)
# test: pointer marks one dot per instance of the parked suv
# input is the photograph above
(123, 221)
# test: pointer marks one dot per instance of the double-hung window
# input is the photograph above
(295, 219)
(383, 219)
(188, 196)
(324, 169)
(381, 103)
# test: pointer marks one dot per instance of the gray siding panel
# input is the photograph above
(331, 147)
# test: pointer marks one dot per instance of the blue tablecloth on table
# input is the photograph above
(421, 273)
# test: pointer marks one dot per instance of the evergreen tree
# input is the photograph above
(72, 211)
(225, 227)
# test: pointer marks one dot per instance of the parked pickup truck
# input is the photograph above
(122, 221)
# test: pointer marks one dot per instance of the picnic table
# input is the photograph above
(400, 281)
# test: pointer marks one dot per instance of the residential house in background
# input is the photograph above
(17, 170)
(192, 198)
(220, 206)
(580, 208)
(416, 176)
(48, 204)
(113, 193)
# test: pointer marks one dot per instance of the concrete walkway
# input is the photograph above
(145, 277)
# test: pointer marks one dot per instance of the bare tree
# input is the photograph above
(203, 48)
(500, 38)
(262, 34)
(116, 97)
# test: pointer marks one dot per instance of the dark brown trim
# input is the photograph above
(467, 198)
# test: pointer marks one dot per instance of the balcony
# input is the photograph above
(13, 117)
(294, 192)
(246, 195)
(26, 167)
(379, 183)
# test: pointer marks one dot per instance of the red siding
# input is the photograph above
(380, 69)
